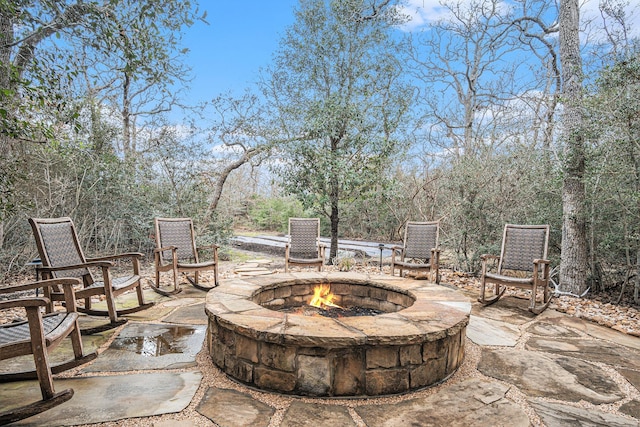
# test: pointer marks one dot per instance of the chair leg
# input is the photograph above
(499, 291)
(156, 287)
(39, 351)
(140, 294)
(546, 300)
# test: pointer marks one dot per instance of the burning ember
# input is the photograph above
(322, 297)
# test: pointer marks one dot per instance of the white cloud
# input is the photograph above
(421, 12)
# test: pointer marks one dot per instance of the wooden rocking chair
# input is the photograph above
(304, 248)
(522, 264)
(419, 251)
(177, 252)
(62, 256)
(38, 335)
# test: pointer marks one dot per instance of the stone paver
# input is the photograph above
(632, 376)
(111, 398)
(592, 329)
(593, 351)
(141, 346)
(548, 329)
(555, 369)
(507, 309)
(492, 332)
(472, 402)
(631, 408)
(231, 408)
(547, 375)
(300, 414)
(189, 315)
(63, 353)
(561, 415)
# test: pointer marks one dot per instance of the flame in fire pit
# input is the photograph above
(322, 297)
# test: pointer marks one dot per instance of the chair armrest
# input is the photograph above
(24, 302)
(211, 246)
(67, 284)
(541, 261)
(321, 250)
(103, 264)
(137, 255)
(40, 284)
(166, 248)
(396, 250)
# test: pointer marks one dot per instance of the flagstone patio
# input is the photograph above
(519, 370)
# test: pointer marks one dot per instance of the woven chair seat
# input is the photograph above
(413, 265)
(305, 260)
(515, 280)
(122, 282)
(196, 265)
(54, 325)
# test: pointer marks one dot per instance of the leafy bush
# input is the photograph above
(273, 214)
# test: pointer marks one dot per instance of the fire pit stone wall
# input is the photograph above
(417, 342)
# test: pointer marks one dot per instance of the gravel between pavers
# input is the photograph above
(624, 319)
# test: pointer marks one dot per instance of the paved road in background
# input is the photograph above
(275, 244)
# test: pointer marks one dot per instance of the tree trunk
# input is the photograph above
(573, 264)
(334, 217)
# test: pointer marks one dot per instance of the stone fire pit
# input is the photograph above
(418, 341)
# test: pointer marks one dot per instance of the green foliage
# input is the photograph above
(273, 213)
(343, 98)
(613, 172)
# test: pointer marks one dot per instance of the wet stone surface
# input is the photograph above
(110, 398)
(151, 346)
(63, 353)
(554, 373)
(189, 315)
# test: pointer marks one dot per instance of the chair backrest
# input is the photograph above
(521, 244)
(420, 238)
(176, 232)
(58, 245)
(303, 237)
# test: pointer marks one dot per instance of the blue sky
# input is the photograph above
(241, 37)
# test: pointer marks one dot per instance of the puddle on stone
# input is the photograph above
(168, 340)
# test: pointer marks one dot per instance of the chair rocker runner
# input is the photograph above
(304, 248)
(522, 264)
(38, 335)
(420, 250)
(177, 252)
(62, 256)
